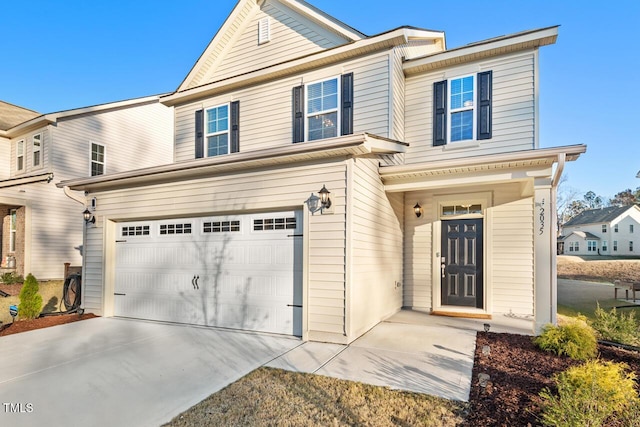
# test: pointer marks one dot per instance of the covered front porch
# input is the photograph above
(480, 241)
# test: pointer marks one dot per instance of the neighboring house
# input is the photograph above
(42, 228)
(440, 198)
(613, 231)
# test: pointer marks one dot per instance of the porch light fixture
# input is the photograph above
(324, 197)
(418, 210)
(88, 218)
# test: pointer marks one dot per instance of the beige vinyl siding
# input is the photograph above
(133, 137)
(376, 248)
(292, 36)
(5, 158)
(250, 191)
(513, 109)
(508, 250)
(265, 110)
(512, 256)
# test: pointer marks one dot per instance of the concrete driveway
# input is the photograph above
(116, 372)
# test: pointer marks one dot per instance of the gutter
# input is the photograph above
(14, 182)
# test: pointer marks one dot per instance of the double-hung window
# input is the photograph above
(462, 109)
(630, 228)
(615, 246)
(37, 150)
(97, 159)
(217, 130)
(322, 109)
(604, 228)
(605, 246)
(592, 246)
(20, 155)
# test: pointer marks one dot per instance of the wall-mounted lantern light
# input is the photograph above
(417, 209)
(88, 217)
(324, 197)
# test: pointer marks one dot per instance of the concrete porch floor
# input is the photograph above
(411, 350)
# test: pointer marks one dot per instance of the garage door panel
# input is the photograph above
(246, 278)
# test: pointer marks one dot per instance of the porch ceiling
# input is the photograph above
(520, 166)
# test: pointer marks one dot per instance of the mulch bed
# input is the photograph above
(518, 371)
(42, 322)
(12, 290)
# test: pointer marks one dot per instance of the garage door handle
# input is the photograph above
(294, 305)
(194, 282)
(120, 294)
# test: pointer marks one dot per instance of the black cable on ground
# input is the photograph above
(71, 293)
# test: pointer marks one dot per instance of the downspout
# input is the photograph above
(83, 202)
(69, 194)
(562, 158)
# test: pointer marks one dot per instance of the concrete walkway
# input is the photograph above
(109, 371)
(410, 351)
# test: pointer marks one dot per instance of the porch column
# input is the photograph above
(545, 277)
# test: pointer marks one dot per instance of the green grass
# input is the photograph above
(588, 308)
(51, 298)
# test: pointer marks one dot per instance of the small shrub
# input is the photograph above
(11, 278)
(617, 327)
(575, 339)
(30, 299)
(589, 394)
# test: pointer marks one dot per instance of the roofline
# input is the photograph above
(380, 42)
(572, 153)
(489, 47)
(46, 119)
(356, 144)
(600, 222)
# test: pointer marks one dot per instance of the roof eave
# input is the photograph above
(494, 47)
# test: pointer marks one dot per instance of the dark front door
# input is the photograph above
(461, 263)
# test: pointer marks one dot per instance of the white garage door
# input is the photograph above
(235, 271)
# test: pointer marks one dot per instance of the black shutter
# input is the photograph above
(347, 104)
(199, 134)
(298, 114)
(235, 126)
(440, 113)
(484, 104)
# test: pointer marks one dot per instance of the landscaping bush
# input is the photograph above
(590, 394)
(617, 326)
(575, 339)
(30, 299)
(11, 278)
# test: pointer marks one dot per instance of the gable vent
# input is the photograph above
(264, 30)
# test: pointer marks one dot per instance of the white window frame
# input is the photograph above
(308, 114)
(13, 228)
(92, 161)
(615, 246)
(20, 166)
(604, 228)
(592, 246)
(605, 246)
(630, 228)
(615, 228)
(38, 150)
(452, 111)
(208, 135)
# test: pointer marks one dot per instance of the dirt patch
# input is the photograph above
(13, 289)
(41, 322)
(518, 371)
(598, 271)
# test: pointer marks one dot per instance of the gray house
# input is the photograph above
(323, 179)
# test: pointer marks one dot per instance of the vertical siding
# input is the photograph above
(257, 190)
(265, 110)
(512, 255)
(513, 109)
(376, 248)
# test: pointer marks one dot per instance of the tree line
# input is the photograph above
(570, 204)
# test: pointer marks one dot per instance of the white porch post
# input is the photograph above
(545, 278)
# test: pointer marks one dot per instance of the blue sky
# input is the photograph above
(67, 54)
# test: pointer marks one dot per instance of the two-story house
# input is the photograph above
(612, 231)
(41, 229)
(324, 179)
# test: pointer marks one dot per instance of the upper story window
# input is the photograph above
(217, 128)
(37, 150)
(615, 228)
(604, 228)
(462, 108)
(630, 228)
(97, 159)
(20, 155)
(323, 109)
